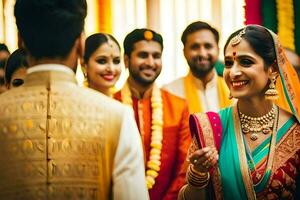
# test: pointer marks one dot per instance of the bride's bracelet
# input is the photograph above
(197, 179)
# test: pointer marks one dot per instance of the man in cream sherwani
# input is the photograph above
(60, 141)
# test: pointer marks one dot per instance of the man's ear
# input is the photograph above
(184, 51)
(126, 61)
(81, 47)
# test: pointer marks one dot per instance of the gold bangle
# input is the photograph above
(198, 185)
(197, 180)
(200, 174)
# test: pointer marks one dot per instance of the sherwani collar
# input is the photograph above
(48, 73)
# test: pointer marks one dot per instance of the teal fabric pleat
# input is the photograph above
(269, 14)
(297, 25)
(229, 163)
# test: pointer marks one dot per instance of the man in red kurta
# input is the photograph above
(162, 118)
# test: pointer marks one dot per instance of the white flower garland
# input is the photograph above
(153, 165)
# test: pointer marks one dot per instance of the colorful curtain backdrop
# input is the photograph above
(103, 14)
(281, 16)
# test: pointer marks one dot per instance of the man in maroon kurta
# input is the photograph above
(143, 49)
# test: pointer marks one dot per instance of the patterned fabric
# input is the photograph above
(206, 130)
(280, 182)
(288, 82)
(53, 143)
(283, 183)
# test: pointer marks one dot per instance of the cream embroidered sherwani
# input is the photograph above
(61, 141)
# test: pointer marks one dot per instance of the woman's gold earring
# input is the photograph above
(230, 96)
(85, 81)
(272, 93)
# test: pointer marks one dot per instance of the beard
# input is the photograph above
(144, 81)
(200, 70)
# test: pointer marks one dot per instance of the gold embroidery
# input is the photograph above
(209, 141)
(238, 38)
(287, 147)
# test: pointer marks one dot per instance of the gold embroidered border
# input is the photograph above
(242, 155)
(208, 137)
(287, 147)
(206, 129)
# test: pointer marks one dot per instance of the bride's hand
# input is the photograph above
(203, 159)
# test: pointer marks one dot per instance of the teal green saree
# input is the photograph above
(234, 184)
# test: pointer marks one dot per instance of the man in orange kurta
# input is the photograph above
(162, 118)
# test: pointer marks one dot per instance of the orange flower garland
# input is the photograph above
(153, 165)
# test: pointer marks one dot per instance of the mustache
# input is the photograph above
(201, 58)
(147, 67)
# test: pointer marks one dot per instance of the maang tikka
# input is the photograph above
(238, 38)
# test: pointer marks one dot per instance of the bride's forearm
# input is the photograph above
(189, 192)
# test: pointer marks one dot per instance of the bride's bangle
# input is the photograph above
(197, 179)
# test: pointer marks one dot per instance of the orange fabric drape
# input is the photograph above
(104, 14)
(193, 98)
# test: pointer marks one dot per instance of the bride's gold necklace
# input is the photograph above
(256, 125)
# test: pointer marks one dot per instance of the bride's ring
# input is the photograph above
(195, 161)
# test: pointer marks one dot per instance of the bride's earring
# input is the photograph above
(272, 93)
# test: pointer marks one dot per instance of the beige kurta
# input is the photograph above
(60, 141)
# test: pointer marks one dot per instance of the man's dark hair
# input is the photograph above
(138, 35)
(198, 26)
(49, 28)
(3, 47)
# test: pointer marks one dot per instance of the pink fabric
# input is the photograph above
(196, 130)
(216, 126)
(253, 12)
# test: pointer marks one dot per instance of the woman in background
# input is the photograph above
(252, 149)
(102, 62)
(15, 69)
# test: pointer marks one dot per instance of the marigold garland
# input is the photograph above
(153, 165)
(285, 12)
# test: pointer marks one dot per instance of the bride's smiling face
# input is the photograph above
(245, 73)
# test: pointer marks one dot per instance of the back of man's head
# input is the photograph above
(198, 26)
(49, 28)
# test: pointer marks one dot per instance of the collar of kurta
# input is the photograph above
(47, 73)
(199, 84)
(135, 93)
(50, 67)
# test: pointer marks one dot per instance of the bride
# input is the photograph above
(252, 149)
